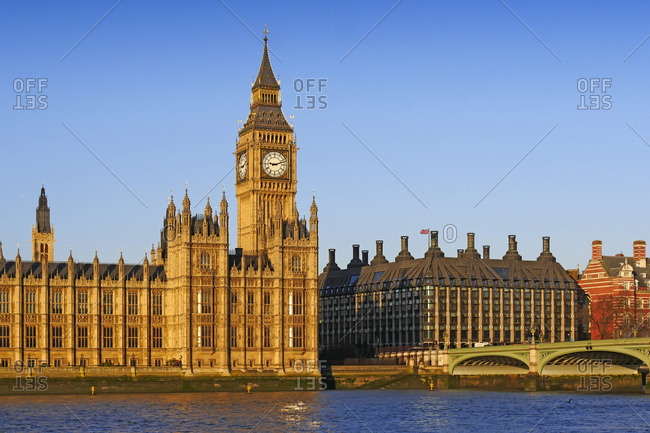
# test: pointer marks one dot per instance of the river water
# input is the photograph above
(345, 411)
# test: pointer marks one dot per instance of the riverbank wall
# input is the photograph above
(67, 380)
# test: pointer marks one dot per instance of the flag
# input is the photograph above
(424, 231)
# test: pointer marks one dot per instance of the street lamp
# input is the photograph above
(636, 283)
(533, 330)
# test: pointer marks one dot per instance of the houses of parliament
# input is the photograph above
(193, 301)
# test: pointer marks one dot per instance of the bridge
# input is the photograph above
(588, 357)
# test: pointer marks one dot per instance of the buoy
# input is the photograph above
(92, 391)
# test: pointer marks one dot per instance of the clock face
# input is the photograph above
(242, 166)
(274, 164)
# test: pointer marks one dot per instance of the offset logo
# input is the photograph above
(29, 93)
(593, 93)
(310, 93)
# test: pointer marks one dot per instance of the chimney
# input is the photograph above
(356, 261)
(597, 250)
(404, 254)
(379, 255)
(639, 251)
(546, 254)
(460, 252)
(486, 251)
(331, 265)
(512, 252)
(434, 250)
(471, 252)
(364, 257)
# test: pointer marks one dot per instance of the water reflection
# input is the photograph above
(350, 411)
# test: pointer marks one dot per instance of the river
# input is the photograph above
(345, 411)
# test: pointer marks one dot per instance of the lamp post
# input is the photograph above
(636, 283)
(533, 330)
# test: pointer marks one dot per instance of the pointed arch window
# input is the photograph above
(205, 260)
(296, 264)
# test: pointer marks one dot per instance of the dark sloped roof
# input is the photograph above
(265, 76)
(448, 271)
(269, 117)
(266, 115)
(80, 269)
(614, 264)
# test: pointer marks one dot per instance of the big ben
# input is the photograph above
(270, 232)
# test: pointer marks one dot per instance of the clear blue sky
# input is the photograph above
(449, 95)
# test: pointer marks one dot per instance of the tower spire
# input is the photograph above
(43, 213)
(265, 76)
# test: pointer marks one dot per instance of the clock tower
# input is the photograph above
(276, 262)
(266, 162)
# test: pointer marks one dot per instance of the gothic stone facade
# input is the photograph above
(438, 300)
(196, 302)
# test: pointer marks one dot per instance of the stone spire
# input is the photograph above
(223, 216)
(43, 214)
(266, 102)
(96, 266)
(265, 76)
(71, 270)
(208, 210)
(313, 209)
(171, 208)
(186, 205)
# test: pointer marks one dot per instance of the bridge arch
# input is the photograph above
(485, 359)
(597, 360)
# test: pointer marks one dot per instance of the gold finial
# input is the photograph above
(266, 32)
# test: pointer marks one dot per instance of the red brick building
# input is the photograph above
(613, 284)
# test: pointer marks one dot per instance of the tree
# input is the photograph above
(606, 312)
(613, 316)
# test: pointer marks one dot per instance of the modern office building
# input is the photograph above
(455, 300)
